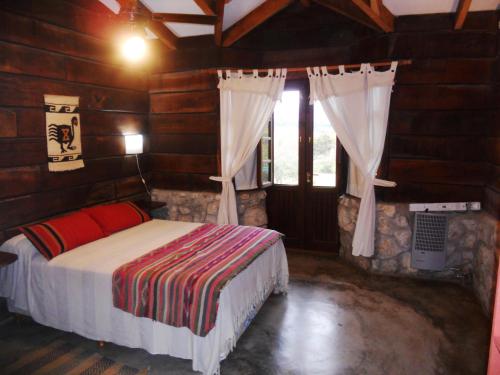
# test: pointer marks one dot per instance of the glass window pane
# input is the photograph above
(266, 132)
(324, 149)
(286, 139)
(266, 149)
(266, 173)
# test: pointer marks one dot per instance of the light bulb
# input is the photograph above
(134, 48)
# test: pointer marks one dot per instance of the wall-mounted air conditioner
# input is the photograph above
(429, 241)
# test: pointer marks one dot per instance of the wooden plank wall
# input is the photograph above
(184, 130)
(443, 135)
(444, 113)
(492, 191)
(443, 139)
(57, 47)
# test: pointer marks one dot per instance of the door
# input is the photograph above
(302, 202)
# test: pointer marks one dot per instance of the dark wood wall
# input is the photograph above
(492, 191)
(61, 47)
(445, 110)
(184, 130)
(443, 136)
(443, 129)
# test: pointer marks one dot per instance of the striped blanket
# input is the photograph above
(179, 284)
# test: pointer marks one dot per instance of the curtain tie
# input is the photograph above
(221, 179)
(383, 183)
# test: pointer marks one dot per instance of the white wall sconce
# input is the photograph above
(134, 145)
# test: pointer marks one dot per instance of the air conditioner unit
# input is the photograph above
(430, 232)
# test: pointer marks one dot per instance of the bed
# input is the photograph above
(73, 292)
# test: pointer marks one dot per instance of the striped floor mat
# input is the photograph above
(60, 357)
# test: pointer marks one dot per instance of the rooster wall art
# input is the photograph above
(63, 129)
(64, 134)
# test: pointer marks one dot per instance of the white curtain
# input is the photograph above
(246, 103)
(357, 105)
(355, 179)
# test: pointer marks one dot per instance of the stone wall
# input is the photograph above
(202, 207)
(470, 249)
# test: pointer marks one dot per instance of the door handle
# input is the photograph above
(308, 177)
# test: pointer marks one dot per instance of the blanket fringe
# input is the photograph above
(277, 285)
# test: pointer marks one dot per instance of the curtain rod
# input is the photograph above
(329, 67)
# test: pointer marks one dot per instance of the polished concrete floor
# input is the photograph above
(334, 320)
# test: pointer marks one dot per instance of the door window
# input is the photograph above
(286, 139)
(324, 150)
(302, 200)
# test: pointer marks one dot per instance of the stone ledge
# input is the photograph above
(202, 207)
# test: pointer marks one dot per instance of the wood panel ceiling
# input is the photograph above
(230, 20)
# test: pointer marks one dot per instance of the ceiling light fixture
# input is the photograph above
(133, 46)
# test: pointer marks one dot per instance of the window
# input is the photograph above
(265, 157)
(324, 149)
(286, 139)
(282, 150)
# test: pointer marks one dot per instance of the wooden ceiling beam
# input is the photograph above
(373, 14)
(185, 18)
(253, 19)
(167, 37)
(219, 9)
(378, 13)
(205, 7)
(462, 10)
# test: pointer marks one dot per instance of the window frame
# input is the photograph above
(310, 152)
(260, 162)
(306, 146)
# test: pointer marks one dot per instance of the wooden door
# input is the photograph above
(286, 197)
(322, 151)
(302, 202)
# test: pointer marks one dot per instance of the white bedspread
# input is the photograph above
(73, 292)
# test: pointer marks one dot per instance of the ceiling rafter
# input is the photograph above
(462, 11)
(205, 7)
(167, 37)
(219, 9)
(185, 18)
(253, 19)
(378, 13)
(162, 32)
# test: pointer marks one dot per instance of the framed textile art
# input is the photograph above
(62, 121)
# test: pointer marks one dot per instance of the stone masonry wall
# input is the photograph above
(202, 207)
(470, 249)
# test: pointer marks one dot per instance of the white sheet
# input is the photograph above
(73, 292)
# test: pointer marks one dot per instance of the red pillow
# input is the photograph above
(56, 236)
(113, 218)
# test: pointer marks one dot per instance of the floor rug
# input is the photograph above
(60, 357)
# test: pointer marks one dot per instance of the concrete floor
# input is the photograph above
(334, 320)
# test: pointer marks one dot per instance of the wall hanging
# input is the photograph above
(64, 146)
